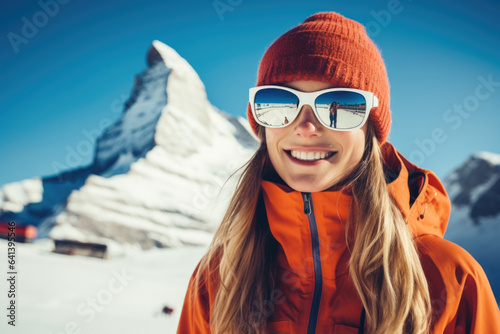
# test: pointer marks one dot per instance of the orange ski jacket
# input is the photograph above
(314, 293)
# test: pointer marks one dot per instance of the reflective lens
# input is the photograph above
(275, 107)
(337, 109)
(341, 109)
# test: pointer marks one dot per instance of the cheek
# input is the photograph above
(273, 137)
(353, 144)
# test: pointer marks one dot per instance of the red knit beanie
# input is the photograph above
(329, 47)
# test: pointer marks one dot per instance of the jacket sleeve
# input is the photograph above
(195, 316)
(477, 311)
(461, 295)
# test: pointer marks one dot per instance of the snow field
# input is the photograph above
(59, 294)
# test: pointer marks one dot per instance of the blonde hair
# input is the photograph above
(384, 264)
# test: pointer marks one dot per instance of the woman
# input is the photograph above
(332, 230)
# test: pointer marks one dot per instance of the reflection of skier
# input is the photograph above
(333, 114)
(286, 121)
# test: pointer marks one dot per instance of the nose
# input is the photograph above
(307, 125)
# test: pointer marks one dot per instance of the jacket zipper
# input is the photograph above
(318, 277)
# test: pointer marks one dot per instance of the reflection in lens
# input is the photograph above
(275, 106)
(342, 109)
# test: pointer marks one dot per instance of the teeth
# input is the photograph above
(310, 156)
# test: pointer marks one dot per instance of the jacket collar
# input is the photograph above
(418, 193)
(291, 227)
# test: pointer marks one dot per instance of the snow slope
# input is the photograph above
(124, 295)
(156, 174)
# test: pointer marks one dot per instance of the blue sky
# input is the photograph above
(67, 80)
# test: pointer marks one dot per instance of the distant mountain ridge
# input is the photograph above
(156, 172)
(476, 184)
(474, 190)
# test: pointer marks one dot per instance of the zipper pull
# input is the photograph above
(307, 203)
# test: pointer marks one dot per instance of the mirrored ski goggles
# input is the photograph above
(341, 109)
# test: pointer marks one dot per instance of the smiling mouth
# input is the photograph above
(310, 156)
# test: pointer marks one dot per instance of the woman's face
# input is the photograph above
(342, 150)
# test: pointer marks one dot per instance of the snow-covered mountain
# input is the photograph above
(474, 190)
(156, 173)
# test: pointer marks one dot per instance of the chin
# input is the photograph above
(307, 187)
(313, 183)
